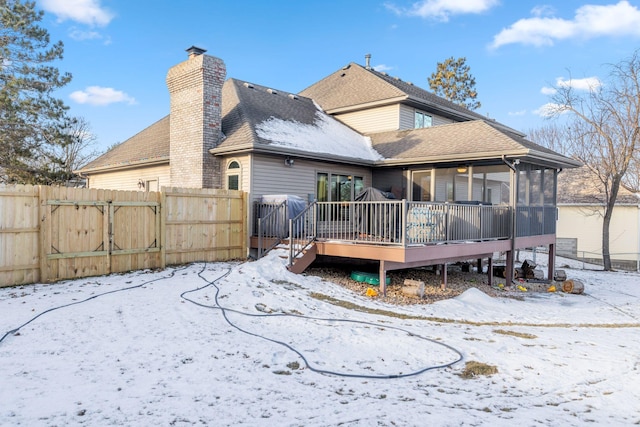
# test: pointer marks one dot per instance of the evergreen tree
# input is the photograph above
(32, 120)
(452, 80)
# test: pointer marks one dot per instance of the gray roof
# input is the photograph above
(464, 141)
(245, 105)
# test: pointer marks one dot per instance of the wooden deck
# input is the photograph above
(403, 234)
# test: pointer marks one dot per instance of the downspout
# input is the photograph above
(514, 215)
(638, 240)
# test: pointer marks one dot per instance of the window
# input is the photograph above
(421, 186)
(337, 187)
(422, 120)
(233, 175)
(151, 185)
(484, 184)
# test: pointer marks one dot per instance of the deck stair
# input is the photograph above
(304, 259)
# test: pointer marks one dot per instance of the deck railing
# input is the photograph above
(405, 223)
(535, 220)
(397, 222)
(270, 225)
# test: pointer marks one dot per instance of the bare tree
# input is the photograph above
(64, 158)
(604, 133)
(552, 136)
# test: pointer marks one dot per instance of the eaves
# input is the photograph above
(286, 151)
(122, 166)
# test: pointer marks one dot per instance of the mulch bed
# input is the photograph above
(458, 281)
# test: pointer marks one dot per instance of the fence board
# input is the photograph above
(54, 233)
(19, 229)
(204, 225)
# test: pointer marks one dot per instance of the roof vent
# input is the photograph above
(410, 83)
(346, 67)
(272, 92)
(383, 73)
(367, 61)
(398, 79)
(248, 85)
(292, 96)
(195, 51)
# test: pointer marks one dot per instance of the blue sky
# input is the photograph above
(119, 51)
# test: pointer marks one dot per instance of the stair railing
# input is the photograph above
(271, 224)
(302, 232)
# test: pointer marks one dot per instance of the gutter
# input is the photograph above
(113, 167)
(286, 151)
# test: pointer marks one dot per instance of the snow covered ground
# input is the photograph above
(159, 352)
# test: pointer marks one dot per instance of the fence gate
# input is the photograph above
(95, 237)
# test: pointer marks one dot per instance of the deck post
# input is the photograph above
(444, 276)
(479, 265)
(490, 271)
(383, 278)
(510, 266)
(551, 264)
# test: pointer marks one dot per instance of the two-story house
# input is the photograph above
(457, 177)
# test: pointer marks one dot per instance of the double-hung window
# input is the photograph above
(422, 120)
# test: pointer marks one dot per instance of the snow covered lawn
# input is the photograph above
(155, 354)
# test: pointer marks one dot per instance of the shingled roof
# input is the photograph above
(355, 86)
(247, 109)
(464, 141)
(262, 119)
(149, 146)
(580, 186)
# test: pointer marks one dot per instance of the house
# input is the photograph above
(457, 176)
(581, 203)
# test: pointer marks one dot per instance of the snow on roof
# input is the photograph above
(325, 135)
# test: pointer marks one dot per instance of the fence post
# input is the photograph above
(163, 227)
(44, 224)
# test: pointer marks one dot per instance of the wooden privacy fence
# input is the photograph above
(54, 233)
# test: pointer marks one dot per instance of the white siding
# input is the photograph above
(585, 224)
(128, 179)
(372, 120)
(407, 118)
(271, 176)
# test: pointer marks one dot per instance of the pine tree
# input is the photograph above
(453, 81)
(32, 120)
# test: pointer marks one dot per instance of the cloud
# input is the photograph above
(88, 12)
(590, 21)
(549, 110)
(544, 10)
(81, 35)
(517, 113)
(383, 67)
(441, 10)
(587, 84)
(97, 95)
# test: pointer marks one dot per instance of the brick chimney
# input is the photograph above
(195, 88)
